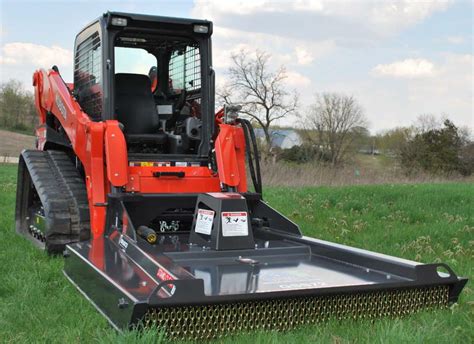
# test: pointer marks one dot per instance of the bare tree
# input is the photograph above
(427, 122)
(333, 123)
(259, 89)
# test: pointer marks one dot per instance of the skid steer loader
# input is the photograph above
(143, 188)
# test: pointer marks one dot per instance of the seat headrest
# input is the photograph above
(132, 84)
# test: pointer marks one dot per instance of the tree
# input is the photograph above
(427, 122)
(439, 150)
(394, 140)
(335, 121)
(17, 109)
(259, 89)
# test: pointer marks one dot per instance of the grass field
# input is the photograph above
(429, 223)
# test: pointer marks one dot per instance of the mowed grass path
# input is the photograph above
(429, 223)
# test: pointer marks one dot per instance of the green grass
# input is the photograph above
(429, 223)
(377, 163)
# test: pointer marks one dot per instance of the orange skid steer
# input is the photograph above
(142, 187)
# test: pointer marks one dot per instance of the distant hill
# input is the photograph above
(11, 143)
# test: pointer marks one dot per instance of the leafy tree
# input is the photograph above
(437, 150)
(302, 154)
(17, 109)
(394, 140)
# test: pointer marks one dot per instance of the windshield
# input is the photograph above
(133, 60)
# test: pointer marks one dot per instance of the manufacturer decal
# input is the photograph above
(163, 275)
(61, 107)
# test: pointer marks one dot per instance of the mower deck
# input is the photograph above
(171, 283)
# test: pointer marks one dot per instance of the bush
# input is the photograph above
(437, 151)
(302, 154)
(467, 159)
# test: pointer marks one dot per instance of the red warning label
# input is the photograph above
(235, 223)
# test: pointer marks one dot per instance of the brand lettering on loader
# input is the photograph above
(61, 107)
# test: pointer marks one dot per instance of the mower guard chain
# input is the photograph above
(198, 322)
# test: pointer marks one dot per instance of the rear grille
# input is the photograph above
(218, 320)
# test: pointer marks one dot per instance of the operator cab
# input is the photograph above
(158, 93)
(157, 81)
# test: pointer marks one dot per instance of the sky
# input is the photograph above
(399, 59)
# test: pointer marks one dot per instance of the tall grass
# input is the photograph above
(316, 174)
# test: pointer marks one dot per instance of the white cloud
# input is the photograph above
(20, 53)
(222, 57)
(391, 102)
(303, 56)
(379, 17)
(452, 87)
(394, 16)
(227, 41)
(19, 60)
(408, 68)
(455, 39)
(297, 80)
(7, 60)
(204, 8)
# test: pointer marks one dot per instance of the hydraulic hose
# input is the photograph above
(252, 154)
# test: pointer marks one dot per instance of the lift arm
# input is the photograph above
(87, 139)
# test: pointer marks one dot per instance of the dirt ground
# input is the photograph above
(12, 143)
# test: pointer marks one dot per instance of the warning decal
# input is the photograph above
(234, 224)
(204, 221)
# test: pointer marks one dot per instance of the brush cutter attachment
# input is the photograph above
(196, 285)
(146, 186)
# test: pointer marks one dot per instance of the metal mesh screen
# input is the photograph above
(218, 320)
(88, 75)
(185, 69)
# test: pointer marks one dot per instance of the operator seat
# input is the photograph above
(136, 109)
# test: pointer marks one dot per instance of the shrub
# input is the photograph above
(302, 154)
(436, 151)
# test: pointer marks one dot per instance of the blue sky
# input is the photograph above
(400, 59)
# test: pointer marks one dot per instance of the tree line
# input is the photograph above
(436, 146)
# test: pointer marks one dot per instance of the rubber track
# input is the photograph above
(63, 196)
